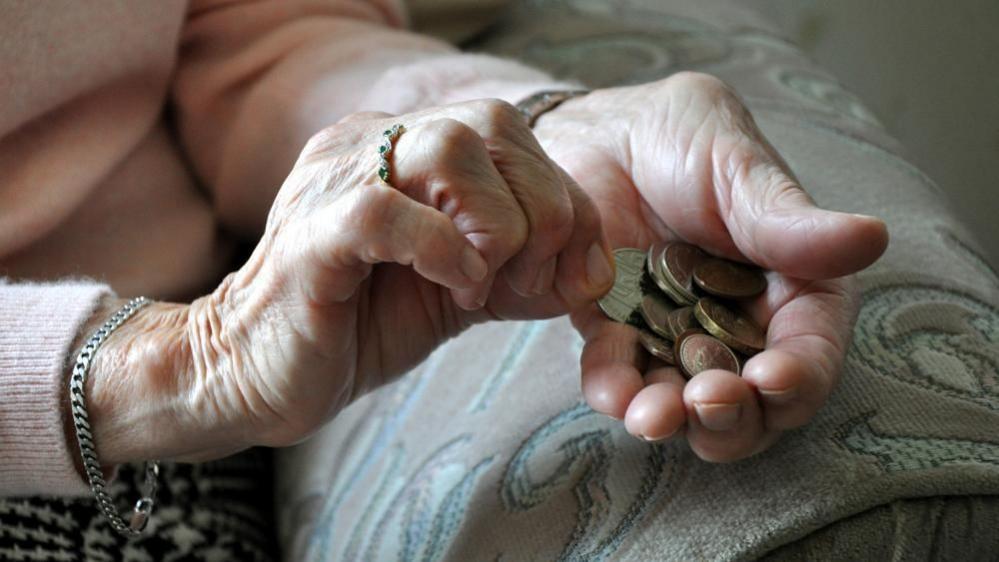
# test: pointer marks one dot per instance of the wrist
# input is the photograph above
(139, 387)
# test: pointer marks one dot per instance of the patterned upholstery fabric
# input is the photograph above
(219, 511)
(485, 452)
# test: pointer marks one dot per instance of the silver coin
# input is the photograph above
(625, 297)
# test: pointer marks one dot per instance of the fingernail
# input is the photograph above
(656, 439)
(480, 301)
(546, 275)
(877, 220)
(472, 264)
(599, 270)
(782, 396)
(865, 217)
(718, 417)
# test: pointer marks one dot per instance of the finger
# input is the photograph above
(657, 411)
(538, 188)
(808, 336)
(775, 224)
(376, 224)
(724, 422)
(752, 205)
(772, 220)
(535, 184)
(610, 362)
(584, 272)
(585, 267)
(445, 164)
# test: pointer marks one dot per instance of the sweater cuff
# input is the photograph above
(454, 78)
(38, 324)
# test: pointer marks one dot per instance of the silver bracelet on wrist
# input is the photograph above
(88, 450)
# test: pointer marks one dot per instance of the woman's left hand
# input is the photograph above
(683, 159)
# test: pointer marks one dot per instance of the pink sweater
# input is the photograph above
(140, 141)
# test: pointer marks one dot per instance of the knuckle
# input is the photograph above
(450, 138)
(554, 223)
(376, 227)
(434, 238)
(497, 113)
(335, 138)
(323, 140)
(371, 210)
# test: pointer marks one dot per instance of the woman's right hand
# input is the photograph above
(355, 281)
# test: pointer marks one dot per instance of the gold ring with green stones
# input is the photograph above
(385, 150)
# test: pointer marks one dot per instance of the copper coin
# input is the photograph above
(725, 278)
(678, 262)
(625, 296)
(652, 256)
(678, 341)
(654, 267)
(733, 328)
(656, 346)
(697, 352)
(655, 309)
(681, 320)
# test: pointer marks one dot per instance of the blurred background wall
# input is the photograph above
(929, 69)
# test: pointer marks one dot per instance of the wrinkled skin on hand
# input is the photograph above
(683, 159)
(354, 281)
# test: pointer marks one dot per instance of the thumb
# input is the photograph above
(774, 222)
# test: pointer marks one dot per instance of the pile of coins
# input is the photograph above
(673, 294)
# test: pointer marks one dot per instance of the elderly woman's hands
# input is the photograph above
(353, 282)
(682, 158)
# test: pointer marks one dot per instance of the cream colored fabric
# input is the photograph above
(960, 528)
(486, 452)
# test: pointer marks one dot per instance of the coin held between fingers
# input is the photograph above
(624, 298)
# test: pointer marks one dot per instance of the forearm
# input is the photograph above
(247, 182)
(246, 111)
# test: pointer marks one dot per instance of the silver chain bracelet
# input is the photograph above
(88, 450)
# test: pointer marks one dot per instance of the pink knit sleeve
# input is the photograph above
(38, 323)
